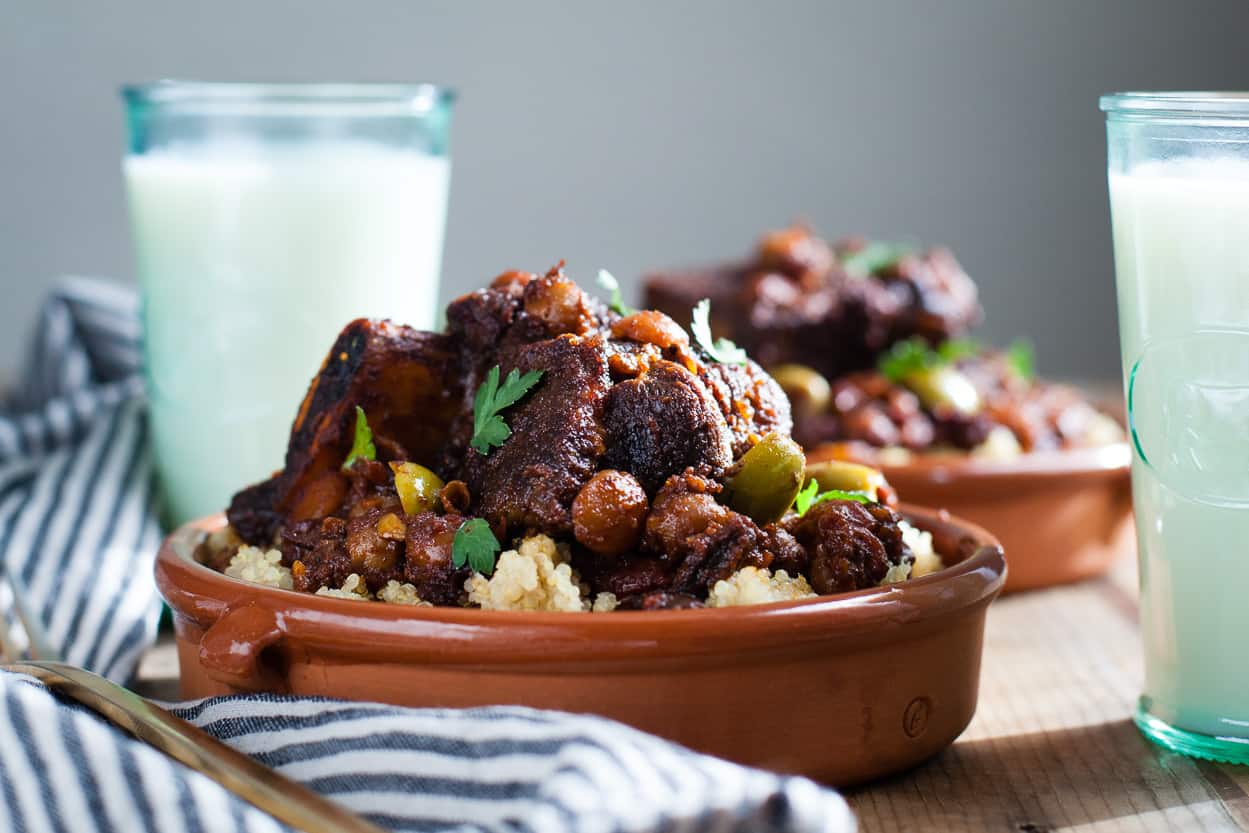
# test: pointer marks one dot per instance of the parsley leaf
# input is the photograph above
(1021, 358)
(489, 429)
(608, 282)
(474, 544)
(810, 495)
(907, 357)
(721, 349)
(362, 444)
(958, 348)
(874, 257)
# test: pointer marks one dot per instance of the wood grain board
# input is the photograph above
(1052, 746)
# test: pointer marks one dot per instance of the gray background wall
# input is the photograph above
(643, 134)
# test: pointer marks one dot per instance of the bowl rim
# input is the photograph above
(1111, 460)
(469, 635)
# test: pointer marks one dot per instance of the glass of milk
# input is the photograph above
(265, 217)
(1179, 198)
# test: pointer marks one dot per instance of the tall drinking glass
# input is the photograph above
(265, 217)
(1179, 198)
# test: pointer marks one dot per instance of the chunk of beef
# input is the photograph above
(428, 565)
(752, 402)
(705, 540)
(851, 545)
(316, 552)
(662, 423)
(409, 386)
(795, 301)
(625, 576)
(557, 438)
(660, 600)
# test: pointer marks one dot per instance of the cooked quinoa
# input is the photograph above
(926, 558)
(353, 588)
(753, 585)
(534, 576)
(401, 594)
(260, 567)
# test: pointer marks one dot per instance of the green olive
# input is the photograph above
(944, 387)
(807, 389)
(767, 479)
(847, 477)
(417, 486)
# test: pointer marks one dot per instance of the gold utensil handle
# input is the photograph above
(288, 802)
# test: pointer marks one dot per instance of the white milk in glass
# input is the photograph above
(1181, 233)
(251, 258)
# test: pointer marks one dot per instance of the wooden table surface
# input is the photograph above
(1052, 746)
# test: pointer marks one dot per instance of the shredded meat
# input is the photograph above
(428, 565)
(705, 540)
(660, 600)
(851, 545)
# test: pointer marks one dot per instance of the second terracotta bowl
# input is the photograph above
(839, 688)
(1062, 516)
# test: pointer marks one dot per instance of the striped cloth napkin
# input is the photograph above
(77, 523)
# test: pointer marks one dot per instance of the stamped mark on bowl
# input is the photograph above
(915, 718)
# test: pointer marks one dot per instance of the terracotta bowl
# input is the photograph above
(1063, 516)
(841, 688)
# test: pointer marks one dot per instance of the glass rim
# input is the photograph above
(1177, 105)
(248, 98)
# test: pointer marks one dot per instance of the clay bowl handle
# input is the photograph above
(232, 650)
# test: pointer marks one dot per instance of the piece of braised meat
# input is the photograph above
(660, 600)
(851, 545)
(751, 401)
(409, 386)
(557, 438)
(662, 423)
(427, 564)
(705, 540)
(798, 300)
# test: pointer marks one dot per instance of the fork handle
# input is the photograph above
(287, 801)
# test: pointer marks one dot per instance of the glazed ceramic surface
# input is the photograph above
(1061, 516)
(840, 688)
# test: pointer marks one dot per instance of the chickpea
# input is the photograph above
(609, 512)
(650, 327)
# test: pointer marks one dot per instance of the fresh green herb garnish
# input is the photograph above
(720, 349)
(489, 429)
(906, 358)
(474, 544)
(959, 348)
(1021, 358)
(608, 282)
(874, 257)
(810, 495)
(362, 447)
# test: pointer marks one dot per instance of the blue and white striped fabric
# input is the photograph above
(77, 520)
(77, 523)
